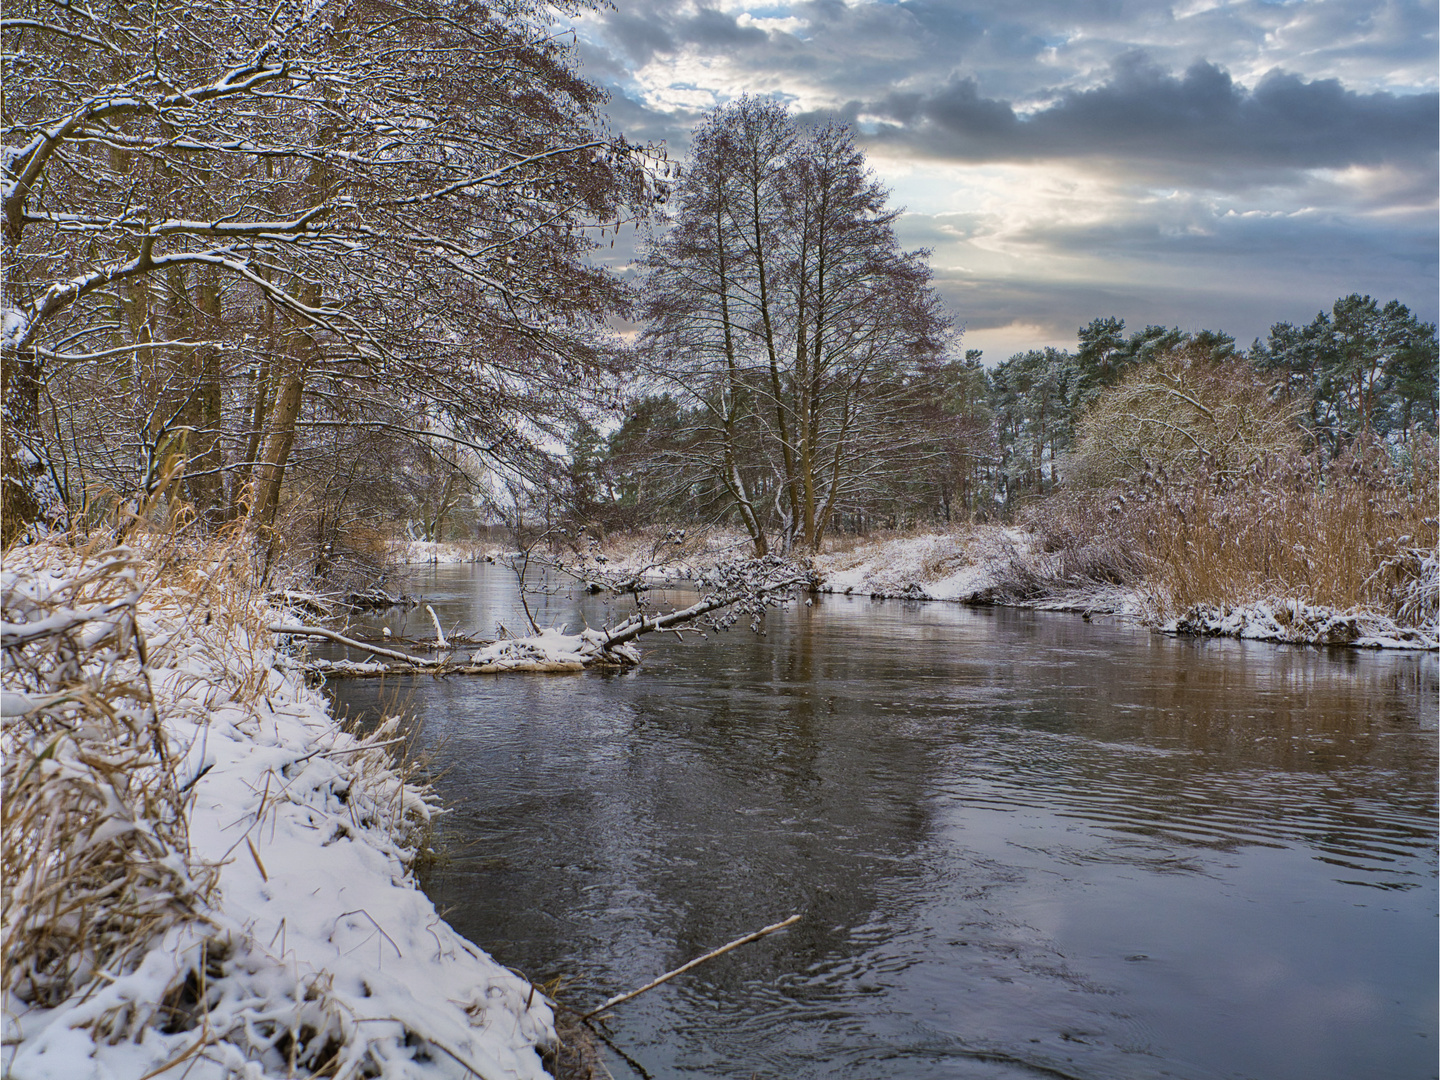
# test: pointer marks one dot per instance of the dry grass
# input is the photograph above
(95, 848)
(1357, 534)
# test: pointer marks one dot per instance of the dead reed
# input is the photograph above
(95, 854)
(1355, 534)
(107, 654)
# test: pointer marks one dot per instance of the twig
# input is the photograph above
(619, 998)
(639, 1069)
(195, 779)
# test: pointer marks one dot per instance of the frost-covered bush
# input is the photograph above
(1184, 413)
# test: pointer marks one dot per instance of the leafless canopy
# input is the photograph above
(785, 315)
(234, 229)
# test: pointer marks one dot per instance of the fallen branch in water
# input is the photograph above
(638, 624)
(756, 936)
(440, 641)
(377, 650)
(736, 589)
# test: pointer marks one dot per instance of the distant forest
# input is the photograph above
(984, 442)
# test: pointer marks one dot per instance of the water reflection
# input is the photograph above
(1021, 843)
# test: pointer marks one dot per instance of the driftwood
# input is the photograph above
(408, 664)
(756, 936)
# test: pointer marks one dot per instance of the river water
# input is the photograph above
(1023, 845)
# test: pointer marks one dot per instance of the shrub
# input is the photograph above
(1357, 533)
(1184, 413)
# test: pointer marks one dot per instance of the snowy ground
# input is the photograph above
(931, 566)
(297, 941)
(427, 551)
(1298, 623)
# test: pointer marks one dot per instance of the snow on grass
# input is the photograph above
(1296, 622)
(295, 940)
(931, 566)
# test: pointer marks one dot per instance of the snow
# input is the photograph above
(550, 650)
(428, 551)
(316, 932)
(12, 326)
(1294, 621)
(930, 566)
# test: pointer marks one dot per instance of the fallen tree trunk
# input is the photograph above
(350, 669)
(749, 586)
(636, 625)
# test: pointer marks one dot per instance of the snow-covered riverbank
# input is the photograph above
(205, 874)
(983, 566)
(991, 564)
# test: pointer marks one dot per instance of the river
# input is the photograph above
(1023, 845)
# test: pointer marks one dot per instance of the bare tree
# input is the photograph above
(1181, 412)
(783, 310)
(249, 224)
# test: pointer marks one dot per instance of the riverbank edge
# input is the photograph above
(298, 937)
(978, 567)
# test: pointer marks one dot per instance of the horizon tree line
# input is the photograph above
(986, 442)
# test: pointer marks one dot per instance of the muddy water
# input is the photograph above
(1023, 845)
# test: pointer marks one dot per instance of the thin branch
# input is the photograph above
(320, 631)
(756, 936)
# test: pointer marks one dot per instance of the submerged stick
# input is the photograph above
(320, 631)
(619, 998)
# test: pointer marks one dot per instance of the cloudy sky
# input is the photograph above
(1223, 164)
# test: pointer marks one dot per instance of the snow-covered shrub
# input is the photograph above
(1072, 546)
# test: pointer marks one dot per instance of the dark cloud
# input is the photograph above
(641, 124)
(958, 110)
(639, 37)
(719, 31)
(1201, 118)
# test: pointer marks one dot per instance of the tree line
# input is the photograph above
(971, 443)
(317, 268)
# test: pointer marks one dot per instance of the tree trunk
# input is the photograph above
(205, 477)
(270, 471)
